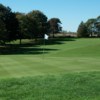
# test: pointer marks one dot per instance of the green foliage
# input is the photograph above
(89, 22)
(40, 20)
(54, 25)
(90, 28)
(9, 24)
(82, 30)
(3, 32)
(26, 26)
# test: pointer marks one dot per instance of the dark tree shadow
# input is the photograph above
(57, 40)
(32, 48)
(24, 50)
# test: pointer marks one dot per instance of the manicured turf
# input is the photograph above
(62, 56)
(69, 69)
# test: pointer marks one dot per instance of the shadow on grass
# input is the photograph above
(24, 50)
(31, 47)
(57, 40)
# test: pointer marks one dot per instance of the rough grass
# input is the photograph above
(75, 86)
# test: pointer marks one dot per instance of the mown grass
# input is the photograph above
(72, 55)
(68, 69)
(74, 86)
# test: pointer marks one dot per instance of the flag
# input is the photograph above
(46, 36)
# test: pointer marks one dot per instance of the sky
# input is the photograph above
(70, 12)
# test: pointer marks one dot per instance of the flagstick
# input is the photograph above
(45, 38)
(43, 48)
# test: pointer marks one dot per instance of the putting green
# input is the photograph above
(79, 55)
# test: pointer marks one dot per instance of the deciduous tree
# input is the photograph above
(40, 21)
(54, 25)
(82, 30)
(9, 24)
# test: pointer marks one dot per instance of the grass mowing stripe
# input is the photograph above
(32, 66)
(50, 81)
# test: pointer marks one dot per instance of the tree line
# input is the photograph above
(91, 28)
(33, 25)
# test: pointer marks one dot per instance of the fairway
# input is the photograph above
(46, 53)
(63, 56)
(67, 69)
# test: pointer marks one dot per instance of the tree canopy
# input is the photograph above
(54, 25)
(90, 28)
(8, 24)
(40, 21)
(16, 25)
(82, 30)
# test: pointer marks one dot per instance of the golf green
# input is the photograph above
(61, 56)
